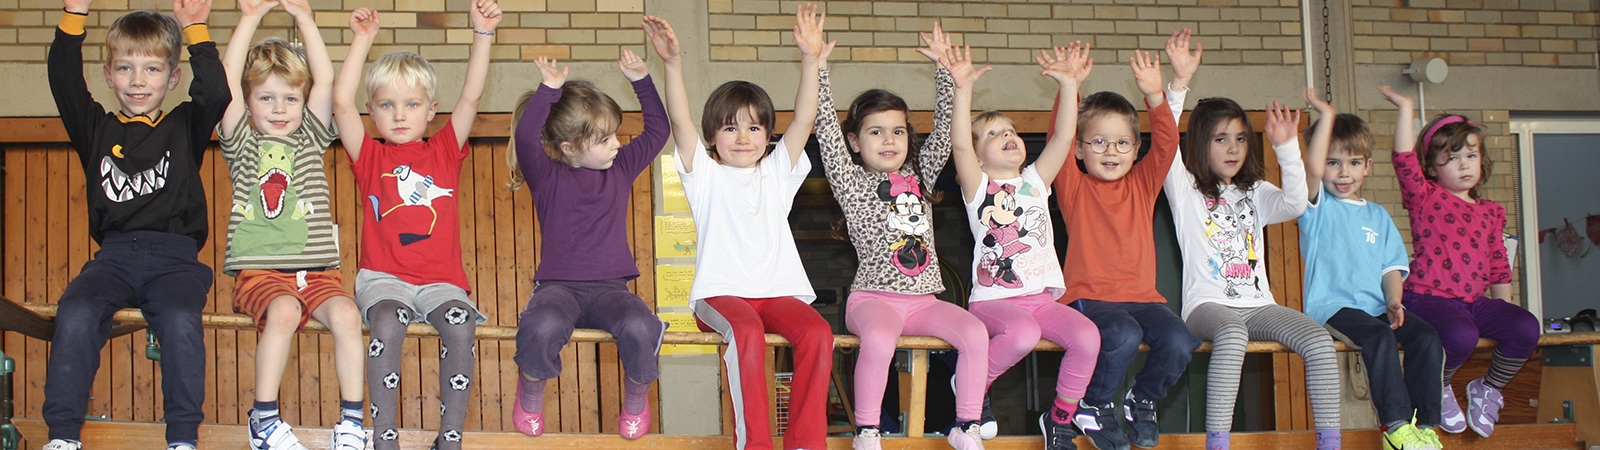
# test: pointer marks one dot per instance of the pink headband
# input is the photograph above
(1427, 138)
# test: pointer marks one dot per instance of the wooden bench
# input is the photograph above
(919, 346)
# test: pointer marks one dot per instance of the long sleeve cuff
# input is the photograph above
(197, 33)
(72, 23)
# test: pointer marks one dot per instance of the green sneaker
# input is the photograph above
(1431, 437)
(1407, 437)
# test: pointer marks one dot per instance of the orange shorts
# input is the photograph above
(255, 289)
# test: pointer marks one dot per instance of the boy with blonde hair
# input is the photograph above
(147, 208)
(410, 237)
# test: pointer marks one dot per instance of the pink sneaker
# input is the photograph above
(528, 423)
(633, 426)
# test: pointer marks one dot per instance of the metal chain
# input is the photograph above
(1327, 56)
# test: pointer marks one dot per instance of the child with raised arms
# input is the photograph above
(1221, 204)
(879, 173)
(281, 242)
(1460, 275)
(748, 275)
(410, 233)
(147, 208)
(1355, 265)
(565, 149)
(1017, 276)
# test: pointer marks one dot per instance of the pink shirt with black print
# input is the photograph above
(1457, 248)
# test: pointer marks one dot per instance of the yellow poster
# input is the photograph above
(672, 199)
(672, 285)
(675, 237)
(683, 322)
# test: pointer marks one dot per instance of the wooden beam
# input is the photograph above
(150, 435)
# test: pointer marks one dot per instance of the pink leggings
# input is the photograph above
(879, 318)
(1015, 325)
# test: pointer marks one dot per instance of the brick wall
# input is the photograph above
(1236, 31)
(1542, 33)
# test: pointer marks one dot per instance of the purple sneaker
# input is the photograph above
(1483, 407)
(1451, 420)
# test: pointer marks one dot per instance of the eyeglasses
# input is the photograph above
(1099, 146)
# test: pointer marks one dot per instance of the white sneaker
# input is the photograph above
(277, 436)
(868, 439)
(63, 444)
(348, 436)
(180, 446)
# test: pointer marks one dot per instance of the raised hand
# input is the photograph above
(364, 22)
(1283, 123)
(484, 15)
(552, 76)
(1184, 61)
(190, 12)
(958, 60)
(1071, 63)
(632, 66)
(1396, 98)
(663, 38)
(1324, 110)
(76, 6)
(256, 8)
(808, 33)
(937, 44)
(297, 8)
(1146, 72)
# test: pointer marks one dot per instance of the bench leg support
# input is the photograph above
(1570, 375)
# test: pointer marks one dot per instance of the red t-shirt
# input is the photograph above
(409, 226)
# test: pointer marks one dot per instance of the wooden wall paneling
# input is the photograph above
(485, 381)
(611, 376)
(35, 282)
(500, 393)
(410, 381)
(16, 228)
(207, 254)
(234, 363)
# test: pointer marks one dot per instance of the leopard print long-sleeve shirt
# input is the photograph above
(888, 215)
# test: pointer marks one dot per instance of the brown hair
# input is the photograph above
(582, 116)
(727, 102)
(985, 118)
(1350, 133)
(1210, 114)
(1449, 138)
(274, 56)
(871, 102)
(1107, 104)
(145, 33)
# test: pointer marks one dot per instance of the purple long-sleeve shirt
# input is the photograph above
(583, 213)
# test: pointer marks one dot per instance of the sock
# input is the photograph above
(1449, 372)
(1063, 410)
(532, 394)
(635, 396)
(1394, 426)
(1328, 439)
(266, 413)
(1217, 440)
(1501, 369)
(351, 411)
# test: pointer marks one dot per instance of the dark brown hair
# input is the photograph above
(1210, 114)
(1447, 139)
(1107, 104)
(727, 102)
(872, 102)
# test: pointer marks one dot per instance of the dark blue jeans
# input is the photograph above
(1122, 327)
(159, 274)
(1397, 392)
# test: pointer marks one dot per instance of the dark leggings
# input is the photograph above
(457, 355)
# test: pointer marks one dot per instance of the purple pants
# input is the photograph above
(557, 307)
(1460, 324)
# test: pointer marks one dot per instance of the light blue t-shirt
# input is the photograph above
(1348, 246)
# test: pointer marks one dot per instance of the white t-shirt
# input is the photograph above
(1224, 247)
(741, 219)
(1015, 253)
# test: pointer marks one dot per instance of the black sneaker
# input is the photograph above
(1100, 424)
(1143, 430)
(1057, 435)
(988, 428)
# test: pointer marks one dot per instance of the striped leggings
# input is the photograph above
(1230, 330)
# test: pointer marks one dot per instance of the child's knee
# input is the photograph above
(282, 315)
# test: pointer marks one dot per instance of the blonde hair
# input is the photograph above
(583, 116)
(984, 119)
(274, 56)
(145, 33)
(402, 68)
